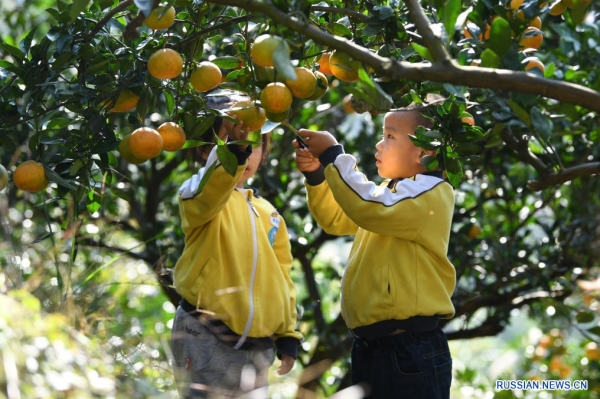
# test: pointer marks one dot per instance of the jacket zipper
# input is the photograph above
(252, 210)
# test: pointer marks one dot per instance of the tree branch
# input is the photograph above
(586, 169)
(109, 15)
(522, 148)
(433, 43)
(494, 79)
(343, 11)
(30, 117)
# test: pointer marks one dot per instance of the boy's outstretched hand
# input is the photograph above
(317, 142)
(287, 362)
(235, 131)
(305, 160)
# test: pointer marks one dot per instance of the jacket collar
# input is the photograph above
(435, 173)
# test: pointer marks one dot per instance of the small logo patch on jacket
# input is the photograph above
(275, 221)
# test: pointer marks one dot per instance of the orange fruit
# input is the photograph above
(344, 67)
(253, 117)
(558, 9)
(165, 64)
(474, 231)
(533, 63)
(126, 101)
(515, 4)
(278, 117)
(305, 84)
(265, 74)
(468, 120)
(322, 87)
(145, 143)
(125, 151)
(592, 352)
(347, 107)
(206, 77)
(536, 23)
(324, 64)
(165, 22)
(172, 135)
(30, 176)
(3, 178)
(532, 41)
(263, 48)
(276, 98)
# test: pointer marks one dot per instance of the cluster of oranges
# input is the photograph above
(532, 37)
(146, 143)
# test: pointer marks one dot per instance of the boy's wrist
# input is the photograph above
(330, 154)
(241, 152)
(287, 346)
(316, 177)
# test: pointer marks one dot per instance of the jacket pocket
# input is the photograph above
(391, 284)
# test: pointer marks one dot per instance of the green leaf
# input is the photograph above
(429, 161)
(466, 149)
(383, 12)
(227, 62)
(415, 97)
(170, 101)
(119, 193)
(206, 176)
(595, 330)
(434, 134)
(194, 143)
(92, 69)
(16, 53)
(145, 6)
(423, 144)
(227, 159)
(489, 59)
(455, 177)
(423, 51)
(549, 72)
(55, 177)
(375, 95)
(76, 8)
(338, 29)
(584, 317)
(59, 16)
(25, 44)
(281, 58)
(520, 112)
(450, 13)
(500, 37)
(143, 104)
(541, 123)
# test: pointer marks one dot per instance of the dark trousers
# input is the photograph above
(405, 365)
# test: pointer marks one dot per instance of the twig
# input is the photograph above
(522, 148)
(8, 84)
(215, 27)
(38, 115)
(109, 15)
(343, 11)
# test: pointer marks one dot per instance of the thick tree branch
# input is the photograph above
(433, 43)
(343, 11)
(494, 79)
(109, 15)
(587, 169)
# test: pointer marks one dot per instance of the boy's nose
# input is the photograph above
(378, 145)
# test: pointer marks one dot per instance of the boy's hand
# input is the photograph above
(305, 161)
(236, 131)
(287, 362)
(317, 142)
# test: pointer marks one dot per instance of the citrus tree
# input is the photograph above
(104, 108)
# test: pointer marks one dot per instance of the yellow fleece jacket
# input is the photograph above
(398, 275)
(237, 257)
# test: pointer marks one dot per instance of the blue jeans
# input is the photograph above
(405, 365)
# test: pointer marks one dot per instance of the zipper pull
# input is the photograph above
(252, 206)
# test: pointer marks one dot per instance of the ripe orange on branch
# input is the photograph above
(165, 64)
(322, 87)
(533, 63)
(126, 101)
(145, 143)
(253, 117)
(30, 176)
(263, 48)
(276, 98)
(305, 84)
(165, 22)
(206, 77)
(344, 67)
(324, 64)
(125, 152)
(534, 41)
(172, 135)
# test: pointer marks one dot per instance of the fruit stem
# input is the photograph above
(295, 131)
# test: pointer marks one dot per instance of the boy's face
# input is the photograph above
(397, 156)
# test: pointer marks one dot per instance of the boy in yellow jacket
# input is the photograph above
(398, 280)
(234, 277)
